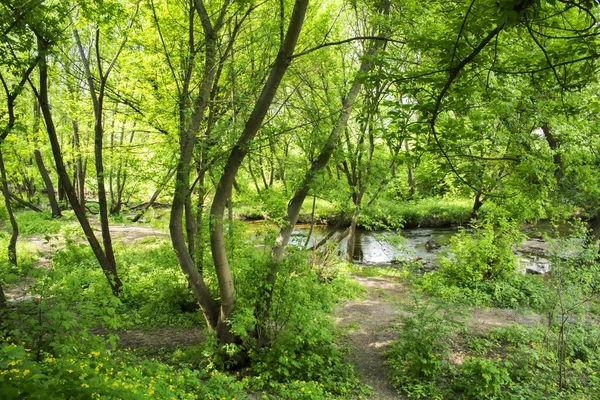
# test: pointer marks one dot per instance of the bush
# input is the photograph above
(422, 347)
(482, 378)
(486, 254)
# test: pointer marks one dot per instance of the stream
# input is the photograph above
(389, 247)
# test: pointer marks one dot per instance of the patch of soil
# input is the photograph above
(484, 319)
(160, 339)
(132, 233)
(374, 318)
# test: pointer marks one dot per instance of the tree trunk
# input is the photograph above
(12, 244)
(103, 205)
(187, 142)
(476, 206)
(553, 144)
(155, 195)
(409, 174)
(190, 226)
(48, 183)
(25, 203)
(199, 239)
(108, 268)
(595, 225)
(2, 299)
(79, 165)
(239, 151)
(295, 204)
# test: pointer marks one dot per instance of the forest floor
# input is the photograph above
(370, 323)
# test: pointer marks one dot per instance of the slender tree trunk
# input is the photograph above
(553, 144)
(409, 174)
(61, 192)
(595, 225)
(48, 183)
(295, 204)
(477, 203)
(190, 226)
(199, 239)
(2, 298)
(237, 155)
(352, 230)
(103, 205)
(12, 244)
(107, 267)
(252, 175)
(25, 203)
(187, 142)
(79, 165)
(155, 195)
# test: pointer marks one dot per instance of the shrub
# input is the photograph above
(482, 378)
(422, 346)
(486, 254)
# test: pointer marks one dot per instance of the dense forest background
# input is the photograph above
(190, 118)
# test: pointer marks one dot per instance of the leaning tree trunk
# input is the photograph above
(40, 163)
(154, 195)
(295, 204)
(108, 268)
(236, 156)
(48, 183)
(79, 165)
(12, 244)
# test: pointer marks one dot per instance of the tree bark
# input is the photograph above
(553, 144)
(25, 203)
(187, 141)
(295, 204)
(48, 183)
(237, 155)
(477, 203)
(104, 224)
(12, 244)
(108, 268)
(2, 298)
(79, 165)
(56, 212)
(595, 225)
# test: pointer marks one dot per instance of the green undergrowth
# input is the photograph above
(384, 213)
(26, 256)
(555, 355)
(389, 212)
(64, 342)
(481, 269)
(32, 223)
(437, 357)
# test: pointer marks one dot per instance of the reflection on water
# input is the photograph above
(381, 247)
(386, 247)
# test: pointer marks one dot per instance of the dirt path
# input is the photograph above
(372, 324)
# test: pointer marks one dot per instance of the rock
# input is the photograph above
(432, 244)
(428, 267)
(533, 271)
